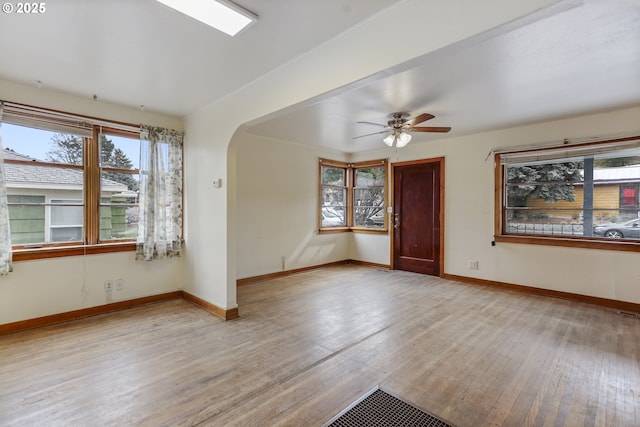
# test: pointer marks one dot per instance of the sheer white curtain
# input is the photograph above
(5, 235)
(160, 216)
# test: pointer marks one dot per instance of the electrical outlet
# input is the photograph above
(119, 284)
(472, 264)
(108, 285)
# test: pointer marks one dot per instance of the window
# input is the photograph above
(629, 196)
(66, 221)
(369, 196)
(582, 195)
(353, 196)
(72, 182)
(333, 210)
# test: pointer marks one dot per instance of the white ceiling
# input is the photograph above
(140, 52)
(577, 60)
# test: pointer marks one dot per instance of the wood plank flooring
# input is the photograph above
(308, 345)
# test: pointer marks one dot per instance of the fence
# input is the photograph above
(547, 229)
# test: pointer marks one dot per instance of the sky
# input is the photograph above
(36, 143)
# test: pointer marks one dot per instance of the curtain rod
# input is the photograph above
(574, 142)
(62, 114)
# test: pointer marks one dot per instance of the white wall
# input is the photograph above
(469, 199)
(57, 285)
(50, 286)
(277, 208)
(372, 248)
(46, 98)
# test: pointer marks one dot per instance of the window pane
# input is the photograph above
(66, 220)
(369, 217)
(333, 175)
(588, 197)
(66, 215)
(334, 196)
(119, 190)
(618, 229)
(545, 222)
(44, 185)
(66, 234)
(549, 182)
(369, 207)
(373, 196)
(119, 182)
(368, 177)
(368, 197)
(26, 219)
(333, 217)
(119, 207)
(34, 190)
(24, 143)
(119, 152)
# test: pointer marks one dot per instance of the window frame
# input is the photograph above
(591, 242)
(623, 198)
(109, 131)
(53, 205)
(92, 172)
(350, 171)
(338, 165)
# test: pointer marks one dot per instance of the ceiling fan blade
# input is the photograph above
(369, 134)
(418, 119)
(374, 124)
(430, 129)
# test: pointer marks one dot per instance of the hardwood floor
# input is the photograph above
(308, 345)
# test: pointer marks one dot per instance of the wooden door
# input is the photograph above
(417, 208)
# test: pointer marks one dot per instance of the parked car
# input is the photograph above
(627, 230)
(376, 220)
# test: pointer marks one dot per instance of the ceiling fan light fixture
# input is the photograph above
(402, 139)
(400, 126)
(389, 139)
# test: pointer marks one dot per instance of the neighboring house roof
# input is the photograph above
(47, 177)
(618, 175)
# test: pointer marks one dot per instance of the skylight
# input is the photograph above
(219, 14)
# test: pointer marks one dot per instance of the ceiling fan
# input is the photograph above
(399, 127)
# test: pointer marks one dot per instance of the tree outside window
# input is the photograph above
(571, 193)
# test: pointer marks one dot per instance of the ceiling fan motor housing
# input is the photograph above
(398, 120)
(400, 124)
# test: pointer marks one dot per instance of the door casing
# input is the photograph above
(440, 161)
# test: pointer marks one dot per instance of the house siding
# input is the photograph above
(605, 196)
(27, 223)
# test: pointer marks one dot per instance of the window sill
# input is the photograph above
(352, 230)
(365, 230)
(610, 245)
(64, 251)
(334, 230)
